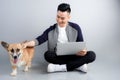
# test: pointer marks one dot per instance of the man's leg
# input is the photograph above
(72, 61)
(53, 58)
(56, 63)
(81, 60)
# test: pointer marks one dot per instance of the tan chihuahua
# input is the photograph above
(19, 55)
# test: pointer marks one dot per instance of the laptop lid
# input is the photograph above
(69, 48)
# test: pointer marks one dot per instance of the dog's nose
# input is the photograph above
(15, 57)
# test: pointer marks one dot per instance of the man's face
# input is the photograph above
(62, 18)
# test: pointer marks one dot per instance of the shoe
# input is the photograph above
(83, 68)
(56, 67)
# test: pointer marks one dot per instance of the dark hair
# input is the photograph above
(64, 7)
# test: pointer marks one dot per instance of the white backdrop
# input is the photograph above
(26, 19)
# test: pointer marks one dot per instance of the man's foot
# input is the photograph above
(56, 67)
(83, 68)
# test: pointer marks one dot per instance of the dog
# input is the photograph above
(19, 55)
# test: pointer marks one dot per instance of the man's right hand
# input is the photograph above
(28, 43)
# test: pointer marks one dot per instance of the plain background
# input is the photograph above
(99, 20)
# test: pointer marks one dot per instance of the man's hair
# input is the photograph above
(64, 7)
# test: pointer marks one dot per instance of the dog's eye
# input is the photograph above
(12, 50)
(17, 50)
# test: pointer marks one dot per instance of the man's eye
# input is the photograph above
(58, 17)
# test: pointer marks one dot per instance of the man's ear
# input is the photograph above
(4, 44)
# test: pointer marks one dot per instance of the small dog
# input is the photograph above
(19, 55)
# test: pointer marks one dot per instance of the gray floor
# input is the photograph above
(104, 68)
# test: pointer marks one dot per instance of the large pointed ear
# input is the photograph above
(4, 44)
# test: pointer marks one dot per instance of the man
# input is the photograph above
(63, 31)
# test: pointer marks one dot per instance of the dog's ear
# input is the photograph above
(4, 44)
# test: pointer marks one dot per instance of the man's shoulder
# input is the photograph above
(52, 27)
(74, 25)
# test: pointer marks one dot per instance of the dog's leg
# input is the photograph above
(14, 71)
(26, 68)
(29, 65)
(30, 60)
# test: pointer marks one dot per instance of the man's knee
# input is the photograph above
(49, 56)
(91, 56)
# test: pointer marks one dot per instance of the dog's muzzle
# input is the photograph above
(15, 57)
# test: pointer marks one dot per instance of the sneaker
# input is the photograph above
(83, 68)
(56, 67)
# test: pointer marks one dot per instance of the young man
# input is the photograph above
(63, 31)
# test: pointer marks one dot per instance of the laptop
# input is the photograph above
(69, 48)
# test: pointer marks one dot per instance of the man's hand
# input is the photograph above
(28, 43)
(82, 53)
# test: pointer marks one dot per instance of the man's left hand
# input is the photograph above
(82, 53)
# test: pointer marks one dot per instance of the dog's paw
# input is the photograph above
(13, 74)
(25, 70)
(29, 66)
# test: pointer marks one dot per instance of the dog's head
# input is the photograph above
(14, 50)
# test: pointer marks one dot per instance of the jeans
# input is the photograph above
(72, 61)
